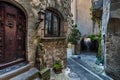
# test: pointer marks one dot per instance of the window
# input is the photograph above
(52, 24)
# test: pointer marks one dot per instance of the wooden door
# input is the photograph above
(2, 34)
(12, 33)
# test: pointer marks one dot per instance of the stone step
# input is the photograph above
(14, 73)
(32, 74)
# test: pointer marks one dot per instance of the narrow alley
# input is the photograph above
(78, 70)
(59, 40)
(83, 72)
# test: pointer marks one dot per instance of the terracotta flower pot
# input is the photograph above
(58, 71)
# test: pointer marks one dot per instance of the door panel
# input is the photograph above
(10, 36)
(21, 35)
(1, 34)
(12, 33)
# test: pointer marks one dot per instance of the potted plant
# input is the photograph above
(57, 67)
(74, 36)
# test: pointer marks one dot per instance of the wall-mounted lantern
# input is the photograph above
(41, 14)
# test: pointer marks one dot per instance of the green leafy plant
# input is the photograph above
(74, 35)
(57, 65)
(98, 39)
(95, 18)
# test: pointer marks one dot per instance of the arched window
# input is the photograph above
(52, 24)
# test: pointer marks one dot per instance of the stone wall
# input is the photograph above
(111, 37)
(115, 9)
(31, 9)
(113, 49)
(55, 49)
(113, 57)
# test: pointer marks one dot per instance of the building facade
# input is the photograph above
(81, 11)
(82, 15)
(21, 23)
(54, 29)
(110, 37)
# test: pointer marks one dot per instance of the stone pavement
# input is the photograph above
(76, 71)
(88, 60)
(65, 75)
(81, 71)
(82, 68)
(60, 76)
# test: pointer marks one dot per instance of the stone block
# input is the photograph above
(32, 74)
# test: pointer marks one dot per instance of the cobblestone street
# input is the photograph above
(83, 68)
(82, 72)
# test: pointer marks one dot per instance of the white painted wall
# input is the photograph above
(81, 15)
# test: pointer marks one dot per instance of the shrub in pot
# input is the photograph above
(57, 67)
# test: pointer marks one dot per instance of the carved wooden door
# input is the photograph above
(1, 34)
(12, 33)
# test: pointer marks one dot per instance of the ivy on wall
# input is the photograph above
(95, 17)
(97, 38)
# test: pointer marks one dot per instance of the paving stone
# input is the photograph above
(60, 76)
(11, 68)
(28, 75)
(88, 60)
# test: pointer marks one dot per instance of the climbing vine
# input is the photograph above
(97, 19)
(94, 18)
(97, 38)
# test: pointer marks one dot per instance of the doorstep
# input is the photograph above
(15, 72)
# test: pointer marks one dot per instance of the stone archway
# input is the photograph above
(113, 48)
(12, 34)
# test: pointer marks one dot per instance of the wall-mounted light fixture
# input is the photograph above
(41, 14)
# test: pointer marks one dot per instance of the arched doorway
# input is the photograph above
(12, 34)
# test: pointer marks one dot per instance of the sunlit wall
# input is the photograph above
(81, 15)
